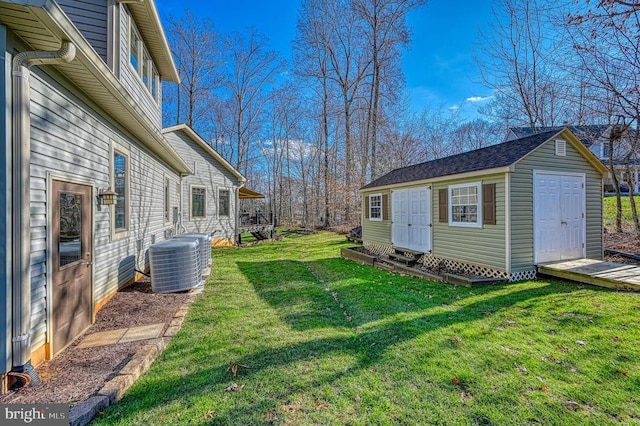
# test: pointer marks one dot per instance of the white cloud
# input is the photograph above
(479, 98)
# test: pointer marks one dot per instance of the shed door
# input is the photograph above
(411, 210)
(71, 298)
(559, 217)
(400, 218)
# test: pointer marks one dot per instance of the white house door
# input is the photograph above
(411, 214)
(559, 217)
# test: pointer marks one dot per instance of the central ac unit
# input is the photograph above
(175, 266)
(205, 249)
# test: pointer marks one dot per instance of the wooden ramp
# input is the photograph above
(596, 272)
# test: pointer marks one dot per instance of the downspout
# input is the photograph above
(21, 209)
(181, 207)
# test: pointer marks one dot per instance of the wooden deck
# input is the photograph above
(618, 276)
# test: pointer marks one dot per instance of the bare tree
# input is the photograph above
(605, 38)
(252, 69)
(476, 134)
(517, 65)
(196, 49)
(384, 24)
(312, 64)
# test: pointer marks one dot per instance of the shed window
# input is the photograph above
(198, 202)
(375, 207)
(465, 205)
(561, 147)
(224, 202)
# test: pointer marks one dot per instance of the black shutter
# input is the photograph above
(489, 204)
(385, 206)
(443, 205)
(366, 207)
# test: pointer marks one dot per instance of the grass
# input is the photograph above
(610, 209)
(328, 341)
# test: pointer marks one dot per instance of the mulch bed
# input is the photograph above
(77, 373)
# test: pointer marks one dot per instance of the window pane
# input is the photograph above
(167, 201)
(120, 186)
(134, 55)
(146, 61)
(375, 206)
(69, 240)
(154, 82)
(198, 202)
(464, 204)
(223, 203)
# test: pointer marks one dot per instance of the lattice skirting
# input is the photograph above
(379, 249)
(455, 266)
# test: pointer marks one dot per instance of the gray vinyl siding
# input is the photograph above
(210, 174)
(544, 158)
(483, 246)
(91, 18)
(376, 231)
(72, 141)
(5, 206)
(129, 77)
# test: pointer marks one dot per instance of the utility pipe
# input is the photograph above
(21, 207)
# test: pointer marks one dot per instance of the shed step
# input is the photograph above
(405, 251)
(404, 259)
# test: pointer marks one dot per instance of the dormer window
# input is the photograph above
(141, 61)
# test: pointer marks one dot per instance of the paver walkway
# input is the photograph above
(122, 335)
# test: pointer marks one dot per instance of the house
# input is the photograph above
(494, 212)
(81, 94)
(211, 195)
(597, 138)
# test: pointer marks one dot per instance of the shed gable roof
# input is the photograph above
(491, 157)
(588, 134)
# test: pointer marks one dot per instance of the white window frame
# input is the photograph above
(152, 77)
(204, 208)
(371, 207)
(166, 197)
(478, 186)
(125, 152)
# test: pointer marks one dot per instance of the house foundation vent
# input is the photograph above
(175, 265)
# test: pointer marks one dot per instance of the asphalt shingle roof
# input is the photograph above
(588, 134)
(490, 157)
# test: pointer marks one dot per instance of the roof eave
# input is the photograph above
(465, 175)
(204, 145)
(154, 37)
(577, 144)
(103, 83)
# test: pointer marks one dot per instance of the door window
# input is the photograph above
(69, 240)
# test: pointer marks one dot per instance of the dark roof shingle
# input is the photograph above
(490, 157)
(588, 133)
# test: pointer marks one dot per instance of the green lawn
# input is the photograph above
(328, 341)
(610, 209)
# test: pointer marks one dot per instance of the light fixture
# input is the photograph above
(107, 197)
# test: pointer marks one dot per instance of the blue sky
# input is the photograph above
(439, 66)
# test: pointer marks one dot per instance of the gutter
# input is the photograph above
(21, 207)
